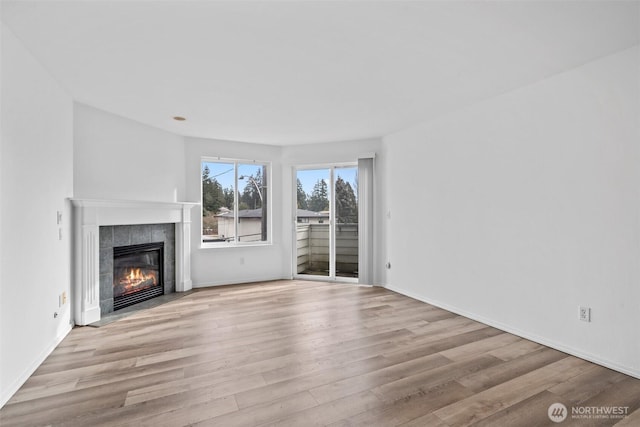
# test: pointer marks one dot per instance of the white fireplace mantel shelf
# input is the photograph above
(90, 214)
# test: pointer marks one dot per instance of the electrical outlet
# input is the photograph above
(62, 299)
(241, 260)
(585, 314)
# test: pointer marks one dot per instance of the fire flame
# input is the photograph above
(138, 277)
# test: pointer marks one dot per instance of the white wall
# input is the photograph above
(5, 391)
(217, 266)
(521, 208)
(220, 266)
(36, 178)
(121, 159)
(117, 158)
(329, 152)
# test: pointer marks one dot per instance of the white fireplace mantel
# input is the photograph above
(90, 214)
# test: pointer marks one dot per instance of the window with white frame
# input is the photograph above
(235, 202)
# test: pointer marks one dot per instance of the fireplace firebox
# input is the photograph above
(137, 273)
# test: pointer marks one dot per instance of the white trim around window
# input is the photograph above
(236, 208)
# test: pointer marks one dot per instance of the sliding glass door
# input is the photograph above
(313, 219)
(327, 222)
(345, 231)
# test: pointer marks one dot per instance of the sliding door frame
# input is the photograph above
(331, 167)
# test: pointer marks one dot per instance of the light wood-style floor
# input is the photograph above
(293, 353)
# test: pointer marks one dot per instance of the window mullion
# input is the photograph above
(236, 203)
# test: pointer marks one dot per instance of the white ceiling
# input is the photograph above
(300, 72)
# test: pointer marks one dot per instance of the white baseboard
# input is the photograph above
(268, 279)
(239, 281)
(523, 334)
(8, 392)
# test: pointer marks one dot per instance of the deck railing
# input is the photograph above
(313, 248)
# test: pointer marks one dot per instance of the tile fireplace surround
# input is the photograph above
(90, 214)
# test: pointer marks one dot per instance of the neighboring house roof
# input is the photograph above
(257, 213)
(303, 213)
(244, 213)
